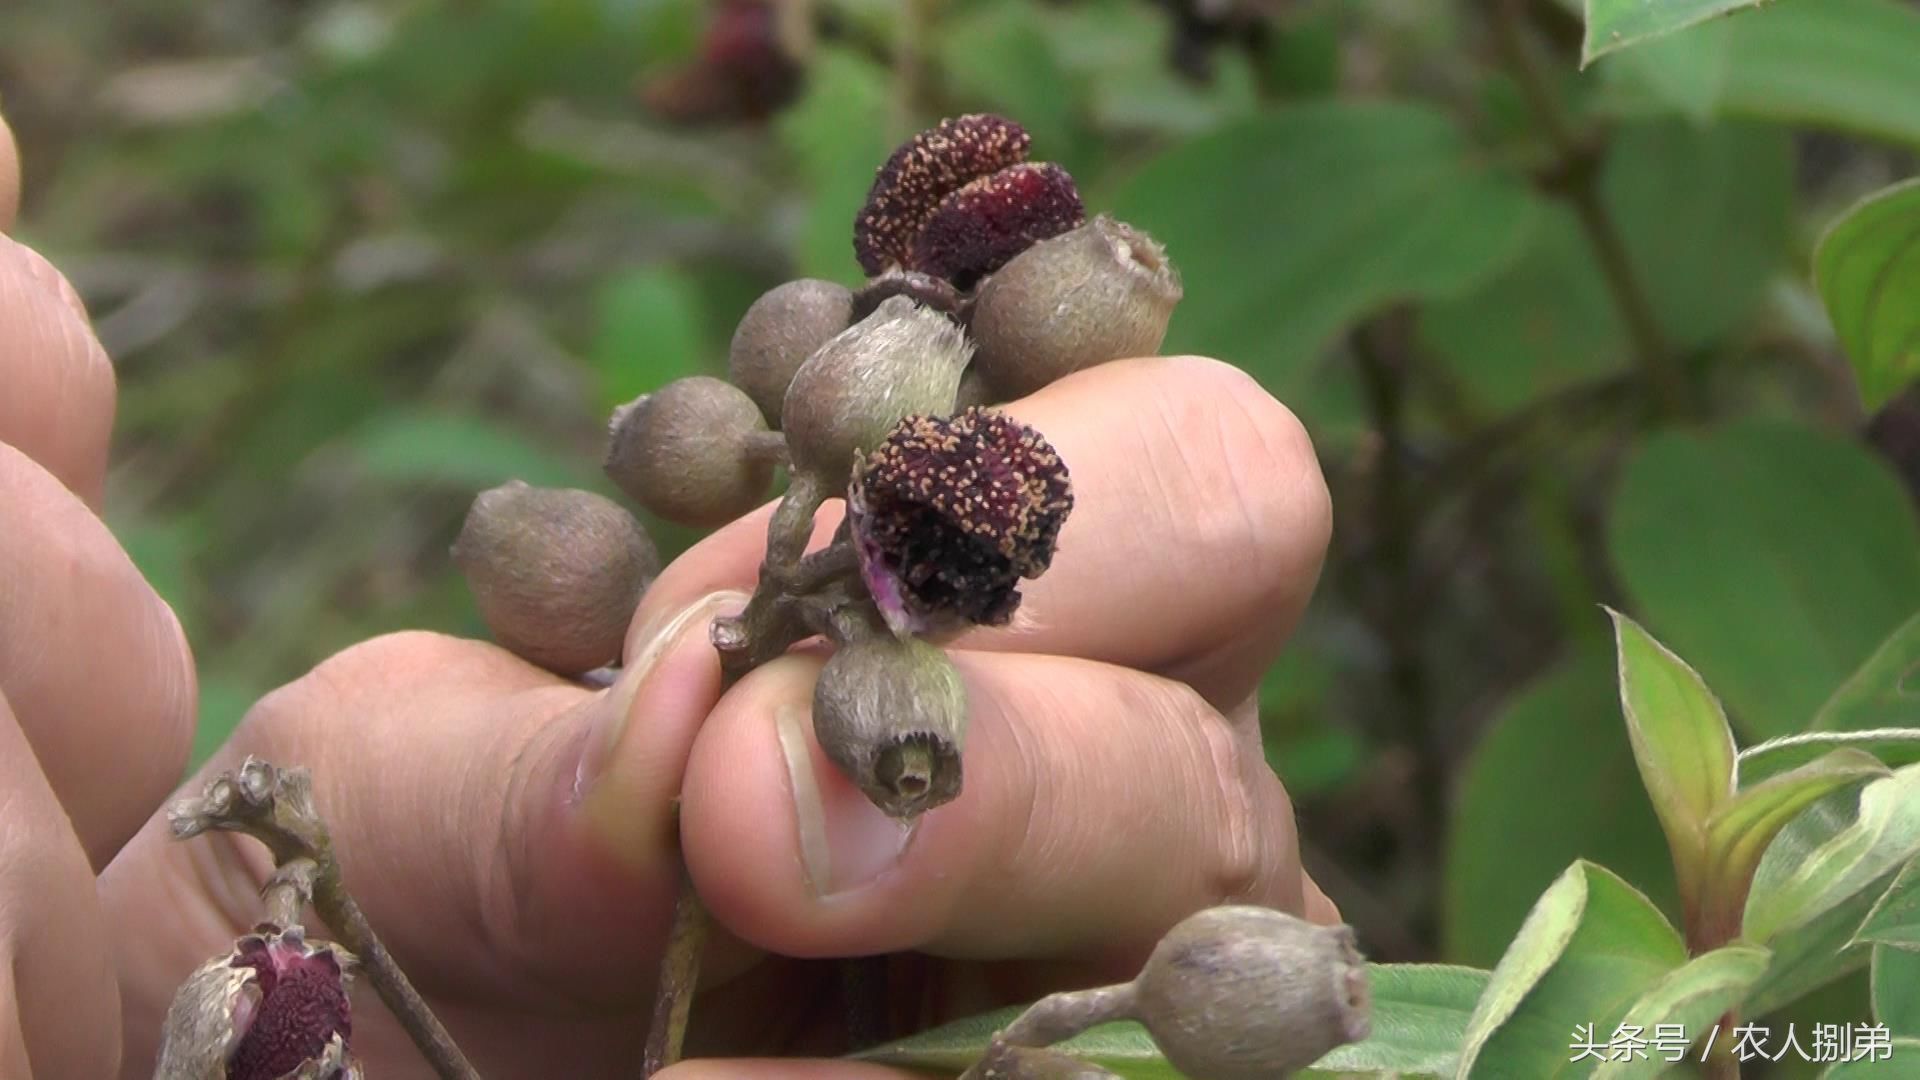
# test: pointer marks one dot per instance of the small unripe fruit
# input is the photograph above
(903, 360)
(777, 334)
(892, 714)
(1103, 291)
(557, 573)
(1248, 993)
(687, 452)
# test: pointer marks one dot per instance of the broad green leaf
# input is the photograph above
(1288, 226)
(838, 134)
(1616, 24)
(1420, 1014)
(1693, 996)
(1552, 780)
(1797, 882)
(1895, 919)
(1739, 832)
(1419, 1018)
(1893, 746)
(1896, 1064)
(1773, 557)
(1704, 216)
(457, 450)
(649, 333)
(1896, 989)
(1684, 72)
(1844, 64)
(1884, 693)
(1590, 948)
(1838, 64)
(1867, 267)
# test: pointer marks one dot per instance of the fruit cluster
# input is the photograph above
(986, 282)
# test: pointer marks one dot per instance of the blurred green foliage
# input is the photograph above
(358, 259)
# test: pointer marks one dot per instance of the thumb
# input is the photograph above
(510, 833)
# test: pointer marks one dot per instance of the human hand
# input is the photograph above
(509, 832)
(96, 683)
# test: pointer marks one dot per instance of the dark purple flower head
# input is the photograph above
(981, 227)
(296, 1010)
(932, 165)
(949, 514)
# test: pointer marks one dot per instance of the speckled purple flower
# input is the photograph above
(948, 515)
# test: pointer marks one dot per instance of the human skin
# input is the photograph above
(509, 832)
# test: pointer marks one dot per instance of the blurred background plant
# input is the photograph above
(1553, 331)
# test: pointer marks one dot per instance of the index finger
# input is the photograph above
(1199, 525)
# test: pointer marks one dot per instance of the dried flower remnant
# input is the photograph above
(949, 515)
(926, 169)
(276, 1006)
(979, 228)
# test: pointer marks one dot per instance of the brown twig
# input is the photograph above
(275, 807)
(1575, 177)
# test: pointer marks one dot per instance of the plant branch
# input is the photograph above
(1575, 176)
(679, 979)
(275, 807)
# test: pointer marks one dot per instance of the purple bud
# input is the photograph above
(949, 514)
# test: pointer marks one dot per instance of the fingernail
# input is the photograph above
(846, 843)
(610, 728)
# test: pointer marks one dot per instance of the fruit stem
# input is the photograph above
(275, 807)
(769, 447)
(1057, 1017)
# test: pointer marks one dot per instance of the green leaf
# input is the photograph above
(1867, 267)
(650, 333)
(1838, 64)
(1884, 693)
(1552, 780)
(838, 134)
(456, 450)
(1616, 24)
(1290, 225)
(1812, 956)
(1843, 64)
(1419, 1017)
(1420, 1014)
(1692, 996)
(1896, 989)
(1589, 949)
(1897, 1065)
(1684, 72)
(1773, 557)
(1893, 746)
(1895, 919)
(1704, 216)
(1797, 881)
(1680, 738)
(1739, 832)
